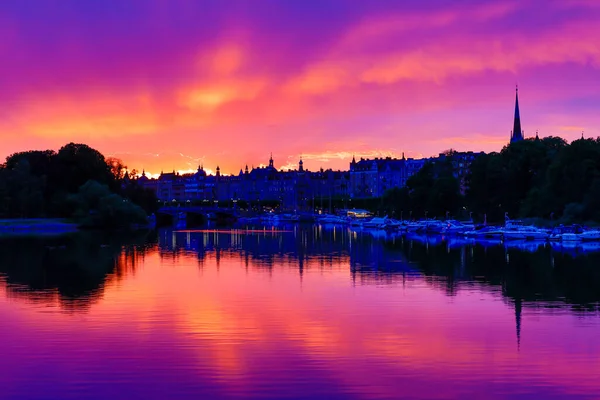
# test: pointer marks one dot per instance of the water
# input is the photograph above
(315, 312)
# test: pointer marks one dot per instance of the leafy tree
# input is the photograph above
(75, 164)
(117, 168)
(39, 161)
(396, 201)
(45, 183)
(94, 205)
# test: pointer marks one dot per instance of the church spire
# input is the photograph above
(517, 132)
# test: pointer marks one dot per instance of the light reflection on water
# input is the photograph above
(309, 312)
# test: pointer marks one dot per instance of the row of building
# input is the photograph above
(365, 178)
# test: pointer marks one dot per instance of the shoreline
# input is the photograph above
(50, 227)
(38, 226)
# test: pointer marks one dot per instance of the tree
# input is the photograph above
(25, 192)
(39, 161)
(117, 168)
(41, 182)
(94, 205)
(75, 164)
(396, 201)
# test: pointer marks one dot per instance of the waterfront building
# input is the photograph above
(294, 190)
(372, 178)
(461, 165)
(300, 189)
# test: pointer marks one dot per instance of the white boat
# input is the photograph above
(415, 226)
(488, 232)
(332, 219)
(565, 234)
(456, 228)
(515, 230)
(289, 218)
(525, 233)
(434, 226)
(375, 223)
(574, 233)
(591, 235)
(392, 224)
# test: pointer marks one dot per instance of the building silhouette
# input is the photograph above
(301, 189)
(517, 133)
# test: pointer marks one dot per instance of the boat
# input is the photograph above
(456, 228)
(415, 226)
(331, 219)
(434, 226)
(375, 223)
(515, 230)
(488, 232)
(392, 224)
(563, 233)
(524, 233)
(574, 233)
(287, 217)
(591, 235)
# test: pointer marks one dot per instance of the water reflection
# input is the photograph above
(296, 312)
(70, 270)
(536, 273)
(74, 270)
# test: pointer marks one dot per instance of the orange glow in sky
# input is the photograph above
(167, 86)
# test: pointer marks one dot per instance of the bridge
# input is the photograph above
(194, 215)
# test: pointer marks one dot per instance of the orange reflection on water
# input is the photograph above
(236, 316)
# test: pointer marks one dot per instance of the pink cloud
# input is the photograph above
(413, 81)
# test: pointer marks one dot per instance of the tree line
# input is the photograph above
(77, 183)
(545, 178)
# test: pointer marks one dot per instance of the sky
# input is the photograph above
(174, 84)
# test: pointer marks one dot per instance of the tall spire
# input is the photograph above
(517, 132)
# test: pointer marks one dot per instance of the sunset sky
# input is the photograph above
(170, 84)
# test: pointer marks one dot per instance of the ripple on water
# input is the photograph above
(307, 313)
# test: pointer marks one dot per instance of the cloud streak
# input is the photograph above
(319, 80)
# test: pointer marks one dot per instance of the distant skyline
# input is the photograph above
(173, 84)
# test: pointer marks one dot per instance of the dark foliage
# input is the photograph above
(75, 182)
(542, 178)
(534, 178)
(434, 191)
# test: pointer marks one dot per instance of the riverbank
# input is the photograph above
(38, 226)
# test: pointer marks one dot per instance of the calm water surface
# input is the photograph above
(315, 312)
